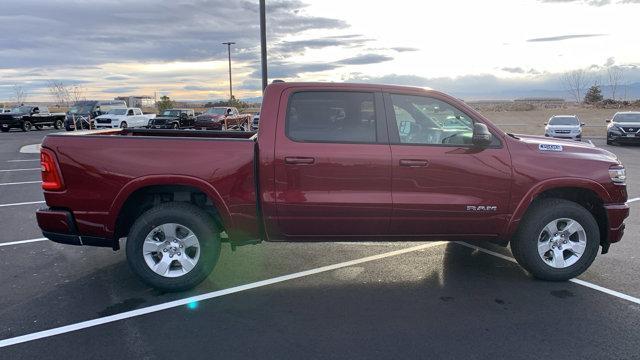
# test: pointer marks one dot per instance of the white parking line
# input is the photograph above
(576, 281)
(633, 200)
(11, 170)
(22, 203)
(20, 242)
(21, 183)
(211, 295)
(26, 160)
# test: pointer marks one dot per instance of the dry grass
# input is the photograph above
(532, 122)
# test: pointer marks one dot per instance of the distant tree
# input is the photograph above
(574, 82)
(594, 95)
(615, 74)
(19, 94)
(233, 102)
(165, 103)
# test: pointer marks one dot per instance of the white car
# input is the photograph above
(564, 127)
(123, 118)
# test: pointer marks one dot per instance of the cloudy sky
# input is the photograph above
(467, 47)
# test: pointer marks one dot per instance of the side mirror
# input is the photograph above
(544, 124)
(607, 121)
(481, 135)
(582, 124)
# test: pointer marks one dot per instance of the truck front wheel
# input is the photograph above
(557, 240)
(173, 246)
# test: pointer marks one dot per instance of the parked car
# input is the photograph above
(27, 117)
(564, 127)
(173, 119)
(82, 114)
(624, 127)
(333, 162)
(255, 121)
(222, 118)
(4, 110)
(123, 118)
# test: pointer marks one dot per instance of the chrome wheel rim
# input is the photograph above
(171, 250)
(562, 242)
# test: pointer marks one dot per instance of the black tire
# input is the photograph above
(524, 245)
(4, 129)
(26, 126)
(68, 128)
(187, 215)
(609, 142)
(58, 124)
(175, 126)
(123, 125)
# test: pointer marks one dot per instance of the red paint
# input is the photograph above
(330, 191)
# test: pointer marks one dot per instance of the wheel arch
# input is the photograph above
(129, 200)
(588, 193)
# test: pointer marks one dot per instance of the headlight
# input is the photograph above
(618, 174)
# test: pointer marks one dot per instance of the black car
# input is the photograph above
(624, 128)
(27, 117)
(173, 119)
(81, 114)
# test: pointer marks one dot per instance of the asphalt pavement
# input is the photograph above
(292, 300)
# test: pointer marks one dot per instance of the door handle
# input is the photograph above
(298, 160)
(414, 163)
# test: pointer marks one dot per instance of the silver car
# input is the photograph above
(564, 127)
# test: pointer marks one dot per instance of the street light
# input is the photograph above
(263, 43)
(229, 53)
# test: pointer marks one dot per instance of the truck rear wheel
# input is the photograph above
(58, 125)
(557, 240)
(26, 125)
(173, 246)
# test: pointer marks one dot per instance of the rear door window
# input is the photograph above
(331, 116)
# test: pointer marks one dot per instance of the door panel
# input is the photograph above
(442, 185)
(324, 185)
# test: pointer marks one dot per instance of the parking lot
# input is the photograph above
(288, 300)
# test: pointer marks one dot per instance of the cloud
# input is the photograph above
(404, 49)
(486, 86)
(120, 90)
(564, 37)
(68, 32)
(594, 2)
(117, 77)
(610, 62)
(196, 88)
(365, 59)
(513, 70)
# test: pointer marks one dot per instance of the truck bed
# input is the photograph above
(102, 169)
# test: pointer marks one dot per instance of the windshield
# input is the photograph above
(627, 118)
(80, 109)
(216, 111)
(171, 113)
(564, 120)
(21, 109)
(118, 111)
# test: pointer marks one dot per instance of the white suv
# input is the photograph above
(564, 127)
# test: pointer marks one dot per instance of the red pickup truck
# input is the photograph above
(332, 162)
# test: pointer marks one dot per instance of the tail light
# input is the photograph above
(51, 177)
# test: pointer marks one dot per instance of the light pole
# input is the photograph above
(263, 43)
(229, 53)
